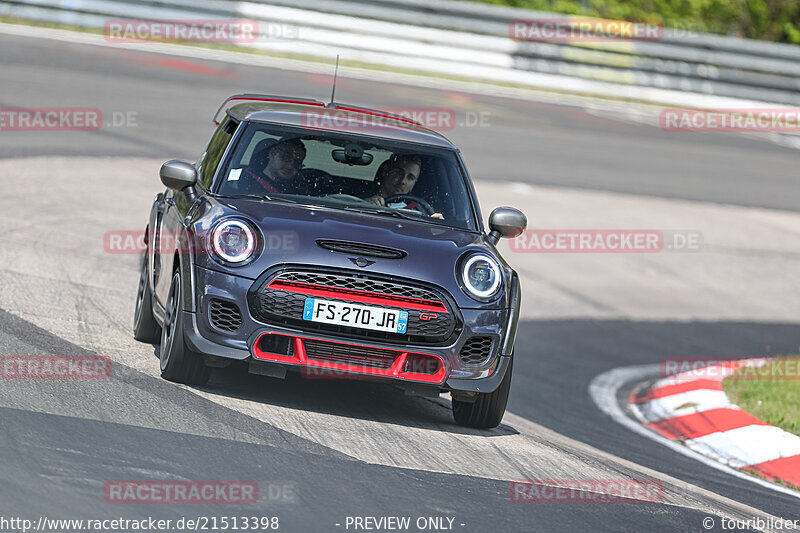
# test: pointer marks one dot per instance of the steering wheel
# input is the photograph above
(408, 198)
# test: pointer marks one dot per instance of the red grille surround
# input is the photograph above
(357, 296)
(365, 360)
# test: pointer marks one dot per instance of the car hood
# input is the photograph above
(291, 233)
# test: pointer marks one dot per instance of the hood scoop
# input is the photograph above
(361, 249)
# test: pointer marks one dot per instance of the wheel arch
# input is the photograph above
(183, 263)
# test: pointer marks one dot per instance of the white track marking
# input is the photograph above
(684, 403)
(748, 445)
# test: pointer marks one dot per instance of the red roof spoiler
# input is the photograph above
(266, 98)
(314, 103)
(376, 112)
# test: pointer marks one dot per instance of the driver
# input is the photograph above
(398, 175)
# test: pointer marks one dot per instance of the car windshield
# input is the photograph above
(347, 171)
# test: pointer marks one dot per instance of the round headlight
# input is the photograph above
(481, 276)
(233, 241)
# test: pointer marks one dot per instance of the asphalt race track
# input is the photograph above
(320, 450)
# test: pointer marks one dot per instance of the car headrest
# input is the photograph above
(260, 156)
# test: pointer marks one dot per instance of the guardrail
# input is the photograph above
(470, 40)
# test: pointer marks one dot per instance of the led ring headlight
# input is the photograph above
(233, 241)
(481, 276)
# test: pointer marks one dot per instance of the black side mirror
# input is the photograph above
(506, 222)
(179, 176)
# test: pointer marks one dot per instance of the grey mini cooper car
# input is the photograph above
(334, 241)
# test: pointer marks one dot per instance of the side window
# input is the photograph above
(209, 161)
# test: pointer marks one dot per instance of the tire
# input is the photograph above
(145, 327)
(487, 410)
(178, 362)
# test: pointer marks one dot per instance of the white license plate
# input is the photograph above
(355, 315)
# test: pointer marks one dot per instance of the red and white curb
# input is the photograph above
(692, 408)
(604, 390)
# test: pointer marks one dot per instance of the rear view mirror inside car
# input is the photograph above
(353, 154)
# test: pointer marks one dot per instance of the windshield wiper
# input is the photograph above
(256, 197)
(387, 212)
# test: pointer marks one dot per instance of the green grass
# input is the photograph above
(772, 393)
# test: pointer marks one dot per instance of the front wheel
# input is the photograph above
(488, 408)
(178, 362)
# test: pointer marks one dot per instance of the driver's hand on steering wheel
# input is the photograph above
(379, 200)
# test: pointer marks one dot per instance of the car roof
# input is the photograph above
(340, 118)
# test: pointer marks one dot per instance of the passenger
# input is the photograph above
(274, 166)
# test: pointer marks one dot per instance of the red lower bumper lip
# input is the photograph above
(396, 364)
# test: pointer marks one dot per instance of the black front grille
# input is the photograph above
(225, 315)
(273, 305)
(476, 350)
(340, 281)
(350, 355)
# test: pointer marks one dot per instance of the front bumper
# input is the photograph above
(242, 344)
